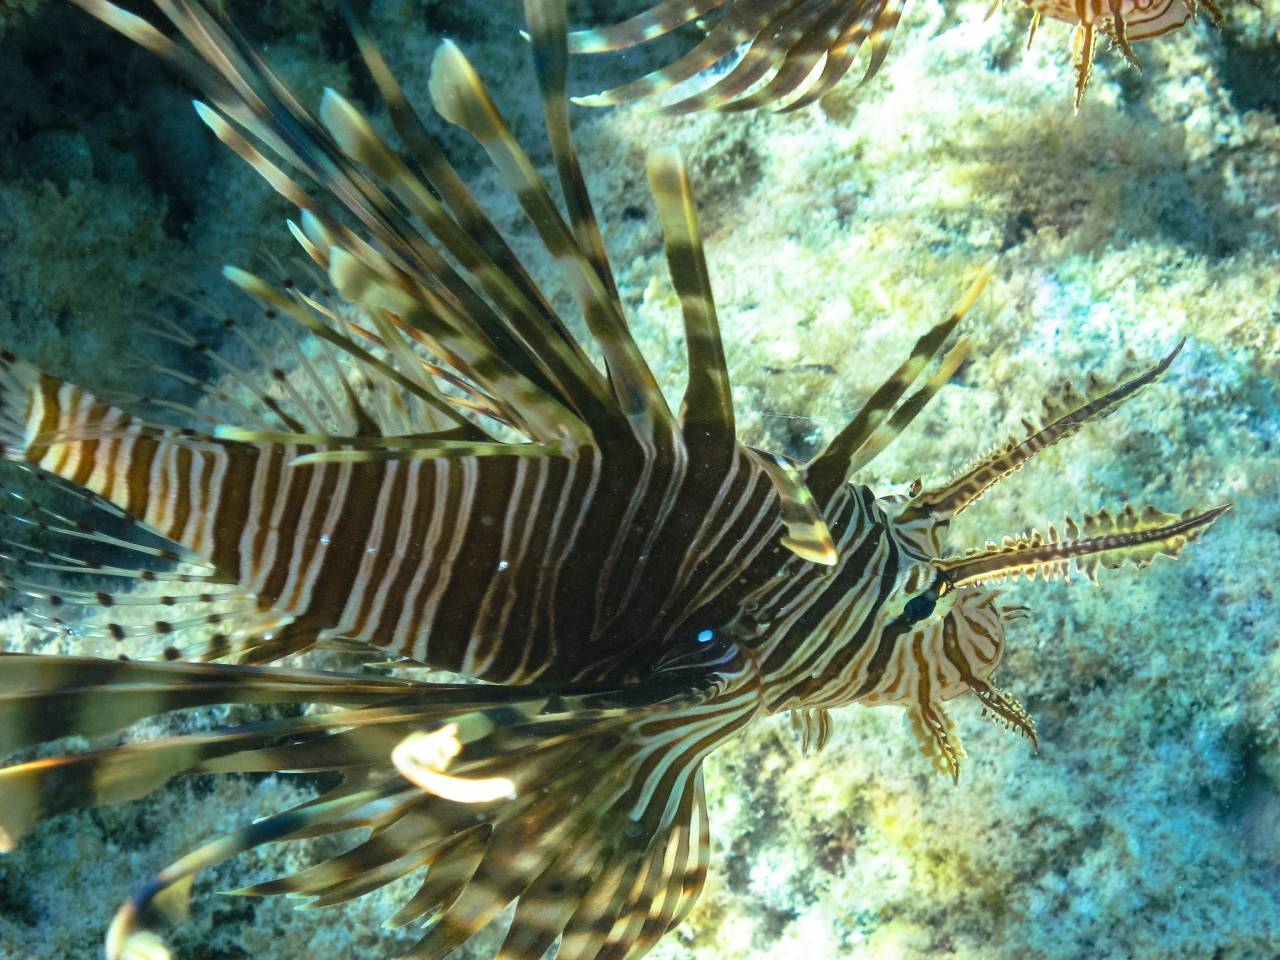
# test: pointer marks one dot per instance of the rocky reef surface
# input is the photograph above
(1148, 825)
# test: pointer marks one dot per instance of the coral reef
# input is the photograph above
(1147, 825)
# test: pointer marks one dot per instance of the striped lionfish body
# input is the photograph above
(507, 568)
(632, 584)
(800, 49)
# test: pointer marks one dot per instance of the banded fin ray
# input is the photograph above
(1064, 413)
(848, 449)
(1101, 539)
(804, 50)
(738, 24)
(547, 32)
(613, 871)
(790, 30)
(496, 263)
(47, 697)
(706, 412)
(877, 29)
(461, 98)
(658, 21)
(557, 357)
(249, 94)
(788, 38)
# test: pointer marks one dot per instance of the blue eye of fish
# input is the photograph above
(920, 607)
(706, 636)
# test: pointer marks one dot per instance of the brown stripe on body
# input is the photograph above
(726, 505)
(194, 484)
(751, 561)
(277, 535)
(858, 608)
(433, 623)
(157, 510)
(889, 637)
(628, 482)
(779, 665)
(534, 532)
(165, 492)
(847, 521)
(298, 532)
(180, 493)
(44, 411)
(138, 481)
(402, 613)
(558, 591)
(750, 556)
(466, 573)
(66, 403)
(733, 548)
(228, 520)
(83, 451)
(162, 477)
(713, 538)
(534, 639)
(498, 578)
(854, 571)
(666, 525)
(400, 486)
(859, 667)
(414, 527)
(268, 499)
(348, 532)
(110, 459)
(205, 495)
(325, 494)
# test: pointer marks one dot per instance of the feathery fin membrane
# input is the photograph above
(624, 860)
(1064, 414)
(1129, 536)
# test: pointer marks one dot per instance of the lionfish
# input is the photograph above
(621, 587)
(805, 47)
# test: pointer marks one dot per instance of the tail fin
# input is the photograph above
(585, 806)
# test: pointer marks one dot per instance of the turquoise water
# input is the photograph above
(1148, 823)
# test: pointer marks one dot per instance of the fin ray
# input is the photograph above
(1065, 415)
(707, 410)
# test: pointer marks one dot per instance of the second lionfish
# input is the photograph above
(630, 583)
(795, 51)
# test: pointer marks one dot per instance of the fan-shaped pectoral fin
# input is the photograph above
(585, 805)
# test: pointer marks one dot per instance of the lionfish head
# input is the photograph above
(947, 623)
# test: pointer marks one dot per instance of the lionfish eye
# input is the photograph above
(920, 607)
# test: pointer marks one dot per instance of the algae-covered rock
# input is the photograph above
(1146, 826)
